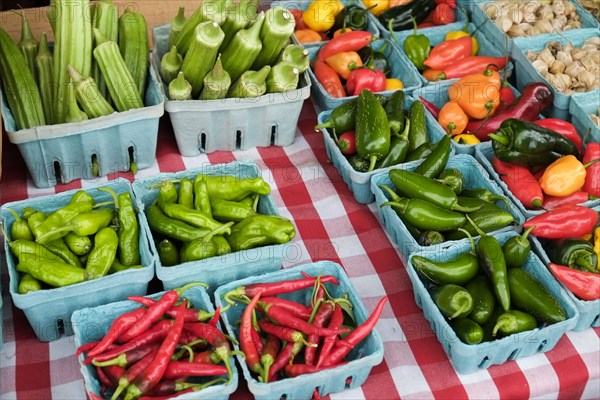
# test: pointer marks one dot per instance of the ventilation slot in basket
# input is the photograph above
(273, 135)
(542, 346)
(95, 166)
(596, 321)
(132, 166)
(484, 363)
(514, 354)
(238, 139)
(60, 327)
(202, 142)
(57, 172)
(349, 381)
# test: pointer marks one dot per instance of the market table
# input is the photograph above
(331, 225)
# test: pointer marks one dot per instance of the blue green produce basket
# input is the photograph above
(367, 354)
(49, 310)
(402, 68)
(359, 182)
(303, 5)
(92, 324)
(62, 153)
(438, 35)
(581, 106)
(217, 270)
(206, 126)
(484, 156)
(468, 358)
(475, 178)
(589, 311)
(496, 35)
(527, 73)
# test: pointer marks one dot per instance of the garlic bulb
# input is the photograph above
(557, 67)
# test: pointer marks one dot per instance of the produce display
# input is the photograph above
(81, 241)
(569, 69)
(398, 15)
(96, 63)
(210, 216)
(529, 18)
(231, 52)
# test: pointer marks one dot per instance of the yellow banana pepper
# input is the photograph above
(320, 14)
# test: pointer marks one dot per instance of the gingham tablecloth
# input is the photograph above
(330, 226)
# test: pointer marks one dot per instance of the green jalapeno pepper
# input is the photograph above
(435, 162)
(51, 272)
(458, 271)
(516, 249)
(488, 327)
(186, 193)
(79, 245)
(191, 216)
(19, 228)
(397, 153)
(484, 300)
(170, 227)
(485, 205)
(467, 330)
(202, 200)
(417, 186)
(423, 151)
(28, 284)
(228, 187)
(372, 129)
(514, 321)
(260, 230)
(102, 256)
(417, 134)
(574, 253)
(83, 224)
(226, 210)
(454, 301)
(487, 220)
(530, 296)
(394, 110)
(430, 238)
(168, 253)
(453, 178)
(485, 194)
(427, 216)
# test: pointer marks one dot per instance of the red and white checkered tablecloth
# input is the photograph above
(330, 225)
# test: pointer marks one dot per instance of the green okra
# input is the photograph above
(250, 84)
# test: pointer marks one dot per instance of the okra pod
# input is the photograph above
(170, 65)
(238, 17)
(89, 96)
(106, 20)
(44, 66)
(177, 24)
(216, 83)
(208, 10)
(282, 77)
(297, 56)
(245, 46)
(74, 113)
(28, 44)
(180, 88)
(250, 84)
(275, 34)
(134, 46)
(202, 54)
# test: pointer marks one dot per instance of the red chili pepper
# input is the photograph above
(132, 373)
(179, 369)
(130, 357)
(257, 340)
(349, 41)
(563, 128)
(153, 313)
(297, 309)
(153, 374)
(429, 106)
(443, 14)
(155, 334)
(336, 321)
(585, 285)
(347, 142)
(451, 3)
(283, 318)
(283, 358)
(191, 315)
(168, 388)
(535, 98)
(563, 222)
(344, 346)
(448, 52)
(207, 357)
(215, 338)
(168, 396)
(297, 369)
(365, 78)
(592, 180)
(282, 332)
(507, 97)
(104, 379)
(269, 354)
(322, 317)
(246, 342)
(329, 79)
(275, 288)
(86, 347)
(215, 318)
(120, 325)
(471, 65)
(521, 182)
(578, 197)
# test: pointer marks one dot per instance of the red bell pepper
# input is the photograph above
(329, 79)
(563, 128)
(585, 285)
(349, 41)
(471, 65)
(365, 78)
(449, 52)
(563, 222)
(521, 182)
(578, 197)
(592, 176)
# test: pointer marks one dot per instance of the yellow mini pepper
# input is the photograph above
(564, 176)
(377, 6)
(466, 138)
(465, 32)
(320, 14)
(597, 245)
(344, 62)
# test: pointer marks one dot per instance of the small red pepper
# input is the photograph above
(152, 314)
(282, 332)
(283, 318)
(349, 41)
(585, 285)
(521, 182)
(449, 52)
(117, 328)
(429, 106)
(471, 65)
(563, 128)
(179, 369)
(335, 322)
(592, 177)
(269, 355)
(322, 316)
(563, 222)
(297, 309)
(133, 372)
(128, 358)
(247, 344)
(215, 338)
(347, 142)
(191, 315)
(367, 78)
(297, 369)
(443, 14)
(329, 79)
(283, 358)
(578, 197)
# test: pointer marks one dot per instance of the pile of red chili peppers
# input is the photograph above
(160, 350)
(282, 338)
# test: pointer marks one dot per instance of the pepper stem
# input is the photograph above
(527, 232)
(465, 302)
(113, 195)
(182, 289)
(499, 138)
(587, 164)
(471, 241)
(372, 163)
(477, 229)
(505, 321)
(585, 263)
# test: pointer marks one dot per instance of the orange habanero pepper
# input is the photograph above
(343, 63)
(452, 118)
(564, 176)
(477, 94)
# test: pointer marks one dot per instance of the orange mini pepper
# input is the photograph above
(477, 94)
(452, 118)
(564, 176)
(307, 36)
(432, 74)
(343, 63)
(341, 31)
